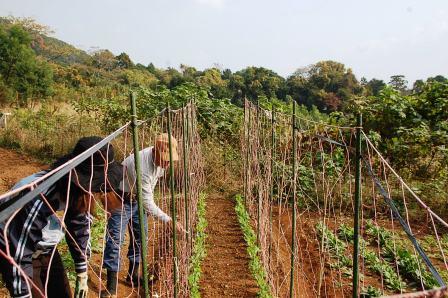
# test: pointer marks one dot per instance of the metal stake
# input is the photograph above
(357, 207)
(141, 213)
(294, 186)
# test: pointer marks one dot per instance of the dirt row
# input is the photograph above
(226, 267)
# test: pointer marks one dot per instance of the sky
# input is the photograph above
(376, 39)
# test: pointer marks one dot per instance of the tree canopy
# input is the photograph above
(20, 69)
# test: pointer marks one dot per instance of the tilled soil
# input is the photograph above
(313, 277)
(226, 267)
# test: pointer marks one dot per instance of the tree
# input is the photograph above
(374, 86)
(104, 59)
(123, 61)
(260, 81)
(413, 128)
(236, 85)
(212, 78)
(398, 82)
(326, 85)
(171, 77)
(189, 73)
(151, 68)
(418, 86)
(19, 67)
(226, 74)
(438, 78)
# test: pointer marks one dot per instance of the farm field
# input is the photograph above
(265, 149)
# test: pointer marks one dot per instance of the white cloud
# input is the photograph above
(213, 3)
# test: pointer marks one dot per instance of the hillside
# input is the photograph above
(60, 52)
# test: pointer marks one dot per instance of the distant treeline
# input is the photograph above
(34, 66)
(409, 125)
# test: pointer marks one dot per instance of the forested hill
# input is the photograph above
(410, 125)
(328, 85)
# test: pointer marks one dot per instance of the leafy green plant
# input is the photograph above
(199, 249)
(393, 251)
(335, 247)
(345, 232)
(255, 264)
(392, 280)
(370, 292)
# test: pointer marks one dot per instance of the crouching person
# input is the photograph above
(31, 237)
(154, 161)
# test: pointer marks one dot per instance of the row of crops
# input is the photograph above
(383, 255)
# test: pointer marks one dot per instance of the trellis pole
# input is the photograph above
(272, 176)
(173, 202)
(294, 189)
(357, 207)
(141, 213)
(247, 152)
(245, 158)
(259, 201)
(186, 172)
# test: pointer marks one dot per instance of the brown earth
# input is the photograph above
(14, 167)
(312, 275)
(226, 267)
(314, 265)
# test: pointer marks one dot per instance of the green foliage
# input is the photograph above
(413, 128)
(255, 264)
(370, 292)
(6, 93)
(20, 70)
(335, 247)
(393, 251)
(346, 233)
(199, 248)
(124, 61)
(97, 230)
(374, 87)
(398, 82)
(217, 118)
(254, 82)
(392, 280)
(326, 84)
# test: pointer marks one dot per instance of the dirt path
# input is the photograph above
(226, 267)
(15, 166)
